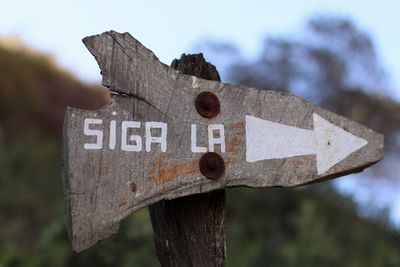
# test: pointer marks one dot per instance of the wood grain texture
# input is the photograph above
(191, 230)
(97, 182)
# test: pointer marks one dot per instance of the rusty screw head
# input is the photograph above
(212, 166)
(207, 104)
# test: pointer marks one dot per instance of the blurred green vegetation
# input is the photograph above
(309, 226)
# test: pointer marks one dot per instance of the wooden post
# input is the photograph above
(190, 231)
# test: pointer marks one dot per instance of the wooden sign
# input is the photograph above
(166, 135)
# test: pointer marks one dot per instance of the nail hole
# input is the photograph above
(133, 186)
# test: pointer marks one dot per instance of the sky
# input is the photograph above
(170, 28)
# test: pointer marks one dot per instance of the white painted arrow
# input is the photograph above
(272, 140)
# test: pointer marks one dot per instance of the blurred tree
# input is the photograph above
(330, 56)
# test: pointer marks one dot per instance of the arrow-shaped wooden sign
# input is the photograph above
(166, 135)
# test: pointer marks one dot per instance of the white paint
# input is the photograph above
(129, 142)
(137, 147)
(195, 83)
(113, 139)
(333, 143)
(272, 140)
(212, 130)
(114, 113)
(193, 137)
(162, 139)
(89, 132)
(212, 140)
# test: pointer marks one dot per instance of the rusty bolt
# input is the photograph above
(212, 166)
(207, 104)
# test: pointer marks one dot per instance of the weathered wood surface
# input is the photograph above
(191, 230)
(98, 182)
